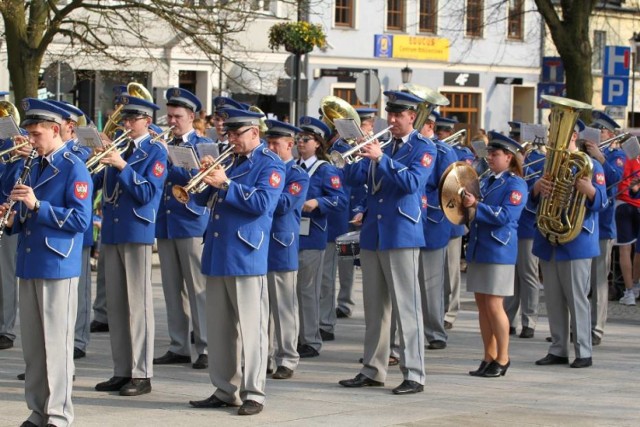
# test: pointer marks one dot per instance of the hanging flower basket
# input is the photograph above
(298, 37)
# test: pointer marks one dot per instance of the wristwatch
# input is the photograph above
(36, 206)
(226, 184)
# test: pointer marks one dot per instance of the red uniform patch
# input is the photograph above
(335, 182)
(158, 169)
(600, 178)
(81, 189)
(424, 202)
(619, 162)
(295, 188)
(274, 179)
(516, 197)
(426, 160)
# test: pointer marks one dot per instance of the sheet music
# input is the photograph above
(479, 147)
(534, 133)
(183, 157)
(208, 149)
(88, 136)
(348, 129)
(591, 134)
(631, 148)
(8, 128)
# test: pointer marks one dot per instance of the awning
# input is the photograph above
(261, 79)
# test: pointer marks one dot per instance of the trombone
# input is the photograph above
(197, 184)
(121, 143)
(340, 160)
(9, 150)
(456, 138)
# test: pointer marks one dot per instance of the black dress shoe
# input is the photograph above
(170, 358)
(5, 342)
(512, 330)
(494, 369)
(448, 325)
(78, 354)
(595, 340)
(210, 402)
(360, 381)
(112, 384)
(250, 407)
(548, 339)
(581, 362)
(201, 363)
(552, 359)
(437, 345)
(98, 326)
(306, 351)
(51, 425)
(136, 387)
(20, 376)
(28, 424)
(282, 373)
(341, 314)
(478, 372)
(526, 332)
(327, 336)
(408, 387)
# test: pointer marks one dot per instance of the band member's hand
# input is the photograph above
(3, 210)
(206, 161)
(371, 151)
(105, 139)
(594, 151)
(309, 205)
(113, 158)
(23, 152)
(469, 200)
(23, 193)
(357, 219)
(584, 186)
(542, 187)
(216, 178)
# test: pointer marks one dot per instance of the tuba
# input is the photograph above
(113, 122)
(432, 99)
(561, 214)
(332, 108)
(263, 124)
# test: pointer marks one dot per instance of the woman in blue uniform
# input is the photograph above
(492, 249)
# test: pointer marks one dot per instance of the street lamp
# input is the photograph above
(635, 44)
(406, 74)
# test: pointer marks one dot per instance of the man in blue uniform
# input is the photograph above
(131, 192)
(242, 199)
(391, 237)
(53, 212)
(283, 249)
(179, 234)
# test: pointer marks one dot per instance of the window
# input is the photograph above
(349, 95)
(516, 16)
(599, 42)
(428, 18)
(395, 15)
(475, 18)
(465, 107)
(262, 5)
(344, 13)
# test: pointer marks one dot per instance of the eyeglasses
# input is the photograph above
(235, 134)
(132, 119)
(305, 139)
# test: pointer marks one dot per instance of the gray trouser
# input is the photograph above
(47, 317)
(83, 319)
(130, 301)
(283, 303)
(346, 276)
(237, 318)
(566, 285)
(600, 268)
(309, 280)
(391, 279)
(431, 275)
(184, 293)
(100, 303)
(526, 289)
(328, 288)
(9, 285)
(452, 279)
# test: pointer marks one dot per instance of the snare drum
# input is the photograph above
(348, 245)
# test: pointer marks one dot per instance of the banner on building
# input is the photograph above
(411, 47)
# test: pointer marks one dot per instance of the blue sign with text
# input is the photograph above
(555, 89)
(615, 79)
(383, 46)
(552, 69)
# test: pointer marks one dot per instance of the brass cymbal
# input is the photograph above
(457, 179)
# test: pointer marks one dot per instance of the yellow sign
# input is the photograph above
(418, 47)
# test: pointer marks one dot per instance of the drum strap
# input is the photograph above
(315, 167)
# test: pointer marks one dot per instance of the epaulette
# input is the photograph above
(270, 154)
(70, 156)
(422, 137)
(157, 143)
(298, 168)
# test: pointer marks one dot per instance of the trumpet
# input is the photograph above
(161, 136)
(197, 184)
(9, 150)
(339, 160)
(121, 143)
(616, 139)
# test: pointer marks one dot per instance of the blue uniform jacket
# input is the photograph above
(285, 228)
(395, 187)
(586, 244)
(436, 226)
(325, 186)
(339, 220)
(236, 242)
(527, 223)
(50, 241)
(493, 236)
(464, 154)
(83, 153)
(613, 167)
(177, 220)
(131, 197)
